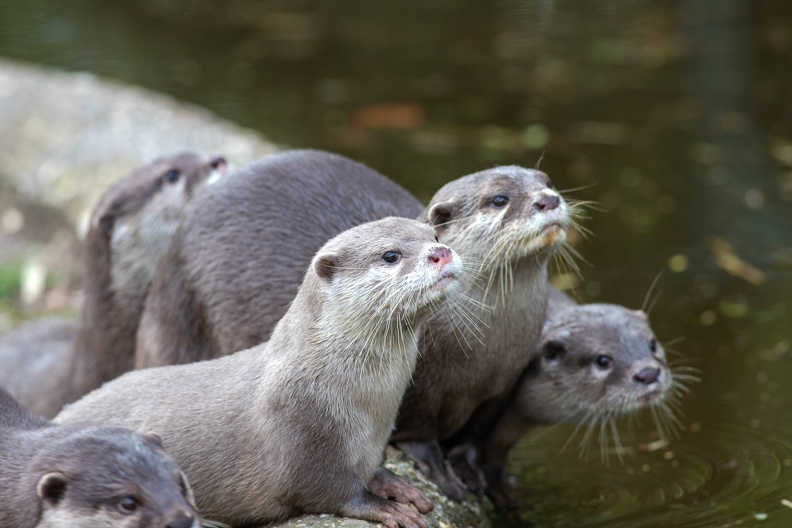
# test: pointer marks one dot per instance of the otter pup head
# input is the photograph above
(384, 275)
(500, 214)
(112, 477)
(596, 360)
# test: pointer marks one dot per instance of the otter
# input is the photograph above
(86, 477)
(212, 295)
(55, 361)
(594, 362)
(299, 423)
(211, 298)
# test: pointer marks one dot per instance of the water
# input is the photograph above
(675, 117)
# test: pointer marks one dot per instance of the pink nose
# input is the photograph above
(441, 256)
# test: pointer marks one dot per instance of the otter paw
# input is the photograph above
(388, 485)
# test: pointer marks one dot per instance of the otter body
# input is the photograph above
(300, 423)
(86, 477)
(48, 364)
(235, 267)
(237, 264)
(593, 362)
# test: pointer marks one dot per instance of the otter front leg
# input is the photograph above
(431, 462)
(388, 485)
(463, 460)
(369, 507)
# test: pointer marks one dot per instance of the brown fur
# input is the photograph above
(211, 295)
(564, 384)
(240, 258)
(52, 363)
(77, 477)
(299, 423)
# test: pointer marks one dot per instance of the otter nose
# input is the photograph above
(218, 162)
(441, 256)
(181, 520)
(647, 376)
(547, 202)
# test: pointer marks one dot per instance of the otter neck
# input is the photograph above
(105, 343)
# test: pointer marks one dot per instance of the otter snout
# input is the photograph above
(547, 202)
(181, 519)
(441, 256)
(647, 375)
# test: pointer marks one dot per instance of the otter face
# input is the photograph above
(599, 359)
(112, 478)
(504, 214)
(138, 216)
(391, 269)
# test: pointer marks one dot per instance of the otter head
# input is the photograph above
(384, 276)
(137, 217)
(596, 360)
(111, 477)
(501, 214)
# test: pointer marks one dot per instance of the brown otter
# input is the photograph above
(53, 362)
(594, 362)
(87, 477)
(300, 423)
(211, 297)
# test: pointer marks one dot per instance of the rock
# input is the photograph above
(446, 514)
(64, 137)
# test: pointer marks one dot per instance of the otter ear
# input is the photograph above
(440, 213)
(155, 437)
(51, 487)
(553, 350)
(325, 265)
(105, 224)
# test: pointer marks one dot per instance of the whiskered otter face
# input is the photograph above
(393, 268)
(600, 360)
(504, 213)
(111, 478)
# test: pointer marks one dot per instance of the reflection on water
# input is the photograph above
(673, 116)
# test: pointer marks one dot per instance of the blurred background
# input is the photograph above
(674, 117)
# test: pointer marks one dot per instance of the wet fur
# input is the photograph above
(298, 423)
(51, 363)
(97, 465)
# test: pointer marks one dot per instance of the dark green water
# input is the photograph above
(676, 117)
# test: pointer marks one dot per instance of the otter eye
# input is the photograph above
(604, 362)
(653, 345)
(391, 257)
(172, 176)
(553, 349)
(500, 201)
(437, 239)
(128, 505)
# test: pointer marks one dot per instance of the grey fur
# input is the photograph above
(89, 470)
(235, 267)
(53, 362)
(299, 423)
(564, 384)
(237, 264)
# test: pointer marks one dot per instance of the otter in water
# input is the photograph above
(594, 362)
(52, 362)
(86, 477)
(299, 423)
(211, 297)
